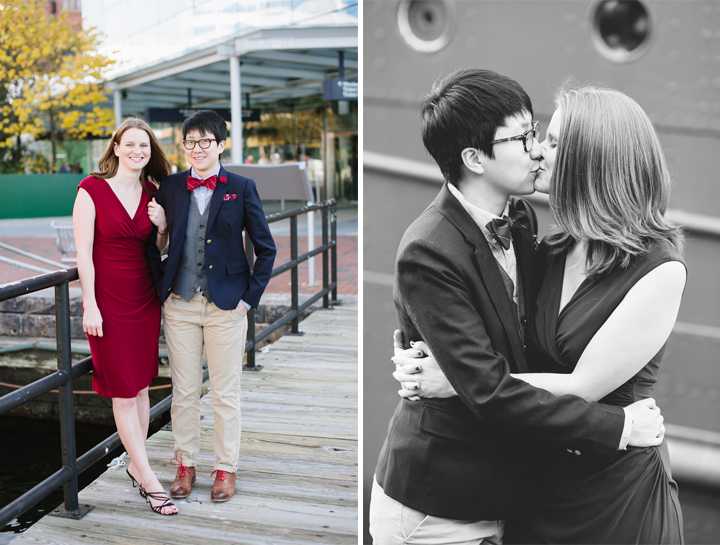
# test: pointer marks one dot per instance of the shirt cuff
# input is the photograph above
(627, 430)
(248, 307)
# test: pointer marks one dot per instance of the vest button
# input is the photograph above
(200, 239)
(202, 227)
(199, 251)
(200, 265)
(210, 267)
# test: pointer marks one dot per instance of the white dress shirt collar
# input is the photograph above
(479, 215)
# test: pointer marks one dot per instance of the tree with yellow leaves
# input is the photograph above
(51, 77)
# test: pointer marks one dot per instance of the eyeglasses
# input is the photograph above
(204, 143)
(528, 138)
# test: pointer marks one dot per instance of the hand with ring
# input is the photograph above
(418, 372)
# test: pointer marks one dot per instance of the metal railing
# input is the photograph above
(62, 379)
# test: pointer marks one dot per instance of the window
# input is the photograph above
(426, 25)
(621, 29)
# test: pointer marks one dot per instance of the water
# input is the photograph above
(30, 451)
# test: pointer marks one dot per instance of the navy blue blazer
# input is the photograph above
(228, 272)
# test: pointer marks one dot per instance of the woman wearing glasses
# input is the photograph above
(613, 280)
(121, 310)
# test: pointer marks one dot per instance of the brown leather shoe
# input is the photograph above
(224, 487)
(183, 482)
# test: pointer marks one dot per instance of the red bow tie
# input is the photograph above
(194, 183)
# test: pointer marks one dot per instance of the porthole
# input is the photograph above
(622, 30)
(426, 25)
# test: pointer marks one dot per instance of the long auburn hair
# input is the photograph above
(611, 185)
(158, 166)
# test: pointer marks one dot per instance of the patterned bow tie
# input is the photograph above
(500, 230)
(194, 183)
(500, 227)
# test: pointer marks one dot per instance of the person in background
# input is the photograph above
(121, 311)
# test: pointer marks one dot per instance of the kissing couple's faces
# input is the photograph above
(549, 145)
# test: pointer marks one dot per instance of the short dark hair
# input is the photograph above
(206, 122)
(464, 110)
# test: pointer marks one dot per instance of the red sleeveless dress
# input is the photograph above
(125, 358)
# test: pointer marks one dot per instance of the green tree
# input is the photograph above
(51, 77)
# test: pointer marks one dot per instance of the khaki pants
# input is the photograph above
(189, 325)
(392, 523)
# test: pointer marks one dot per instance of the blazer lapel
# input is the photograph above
(525, 245)
(490, 276)
(217, 197)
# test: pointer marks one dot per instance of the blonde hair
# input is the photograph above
(611, 184)
(157, 168)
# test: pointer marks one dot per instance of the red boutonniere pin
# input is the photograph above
(222, 179)
(229, 197)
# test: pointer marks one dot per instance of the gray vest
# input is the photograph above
(192, 272)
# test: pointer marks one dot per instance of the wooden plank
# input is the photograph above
(298, 466)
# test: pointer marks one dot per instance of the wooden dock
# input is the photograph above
(298, 473)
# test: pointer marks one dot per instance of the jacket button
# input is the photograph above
(570, 451)
(210, 267)
(209, 241)
(577, 453)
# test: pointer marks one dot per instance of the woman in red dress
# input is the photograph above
(121, 311)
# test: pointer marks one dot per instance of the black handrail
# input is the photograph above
(67, 371)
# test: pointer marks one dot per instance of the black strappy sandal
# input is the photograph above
(135, 483)
(159, 496)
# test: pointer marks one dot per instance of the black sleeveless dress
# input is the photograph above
(634, 499)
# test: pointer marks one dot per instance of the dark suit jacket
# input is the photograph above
(228, 271)
(466, 457)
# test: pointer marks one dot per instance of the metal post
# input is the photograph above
(250, 365)
(294, 274)
(326, 268)
(117, 106)
(334, 249)
(71, 508)
(236, 143)
(189, 90)
(311, 245)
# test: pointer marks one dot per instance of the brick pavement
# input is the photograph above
(347, 262)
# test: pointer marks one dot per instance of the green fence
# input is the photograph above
(37, 195)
